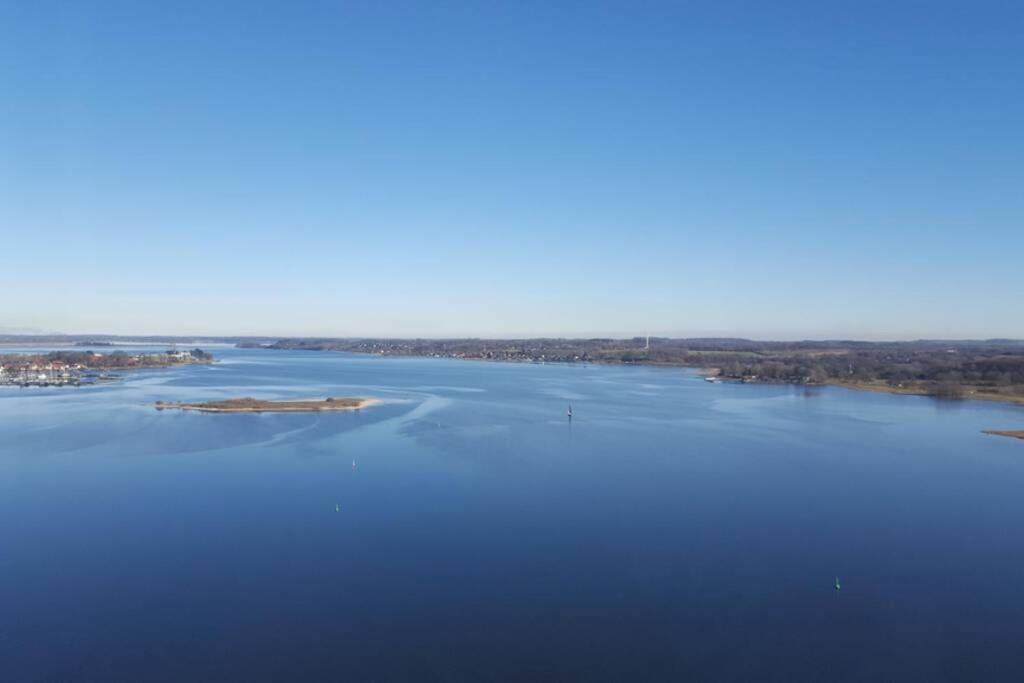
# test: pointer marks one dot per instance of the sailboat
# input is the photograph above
(837, 583)
(570, 411)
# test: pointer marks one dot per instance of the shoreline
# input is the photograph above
(705, 370)
(252, 405)
(905, 391)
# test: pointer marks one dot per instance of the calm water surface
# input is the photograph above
(674, 530)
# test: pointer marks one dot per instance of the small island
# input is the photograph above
(255, 405)
(1013, 434)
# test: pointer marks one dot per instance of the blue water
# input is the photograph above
(674, 530)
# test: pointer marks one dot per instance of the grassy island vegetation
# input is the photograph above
(1018, 434)
(255, 405)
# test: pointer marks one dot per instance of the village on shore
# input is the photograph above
(80, 368)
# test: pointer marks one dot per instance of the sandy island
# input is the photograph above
(1019, 434)
(255, 405)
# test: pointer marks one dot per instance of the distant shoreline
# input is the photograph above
(970, 395)
(991, 370)
(253, 405)
(986, 370)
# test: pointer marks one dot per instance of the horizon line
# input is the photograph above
(212, 337)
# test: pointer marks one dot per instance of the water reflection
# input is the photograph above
(673, 529)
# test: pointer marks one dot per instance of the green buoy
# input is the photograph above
(837, 583)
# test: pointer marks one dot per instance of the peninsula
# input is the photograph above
(1018, 434)
(255, 405)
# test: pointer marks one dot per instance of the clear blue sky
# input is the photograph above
(774, 170)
